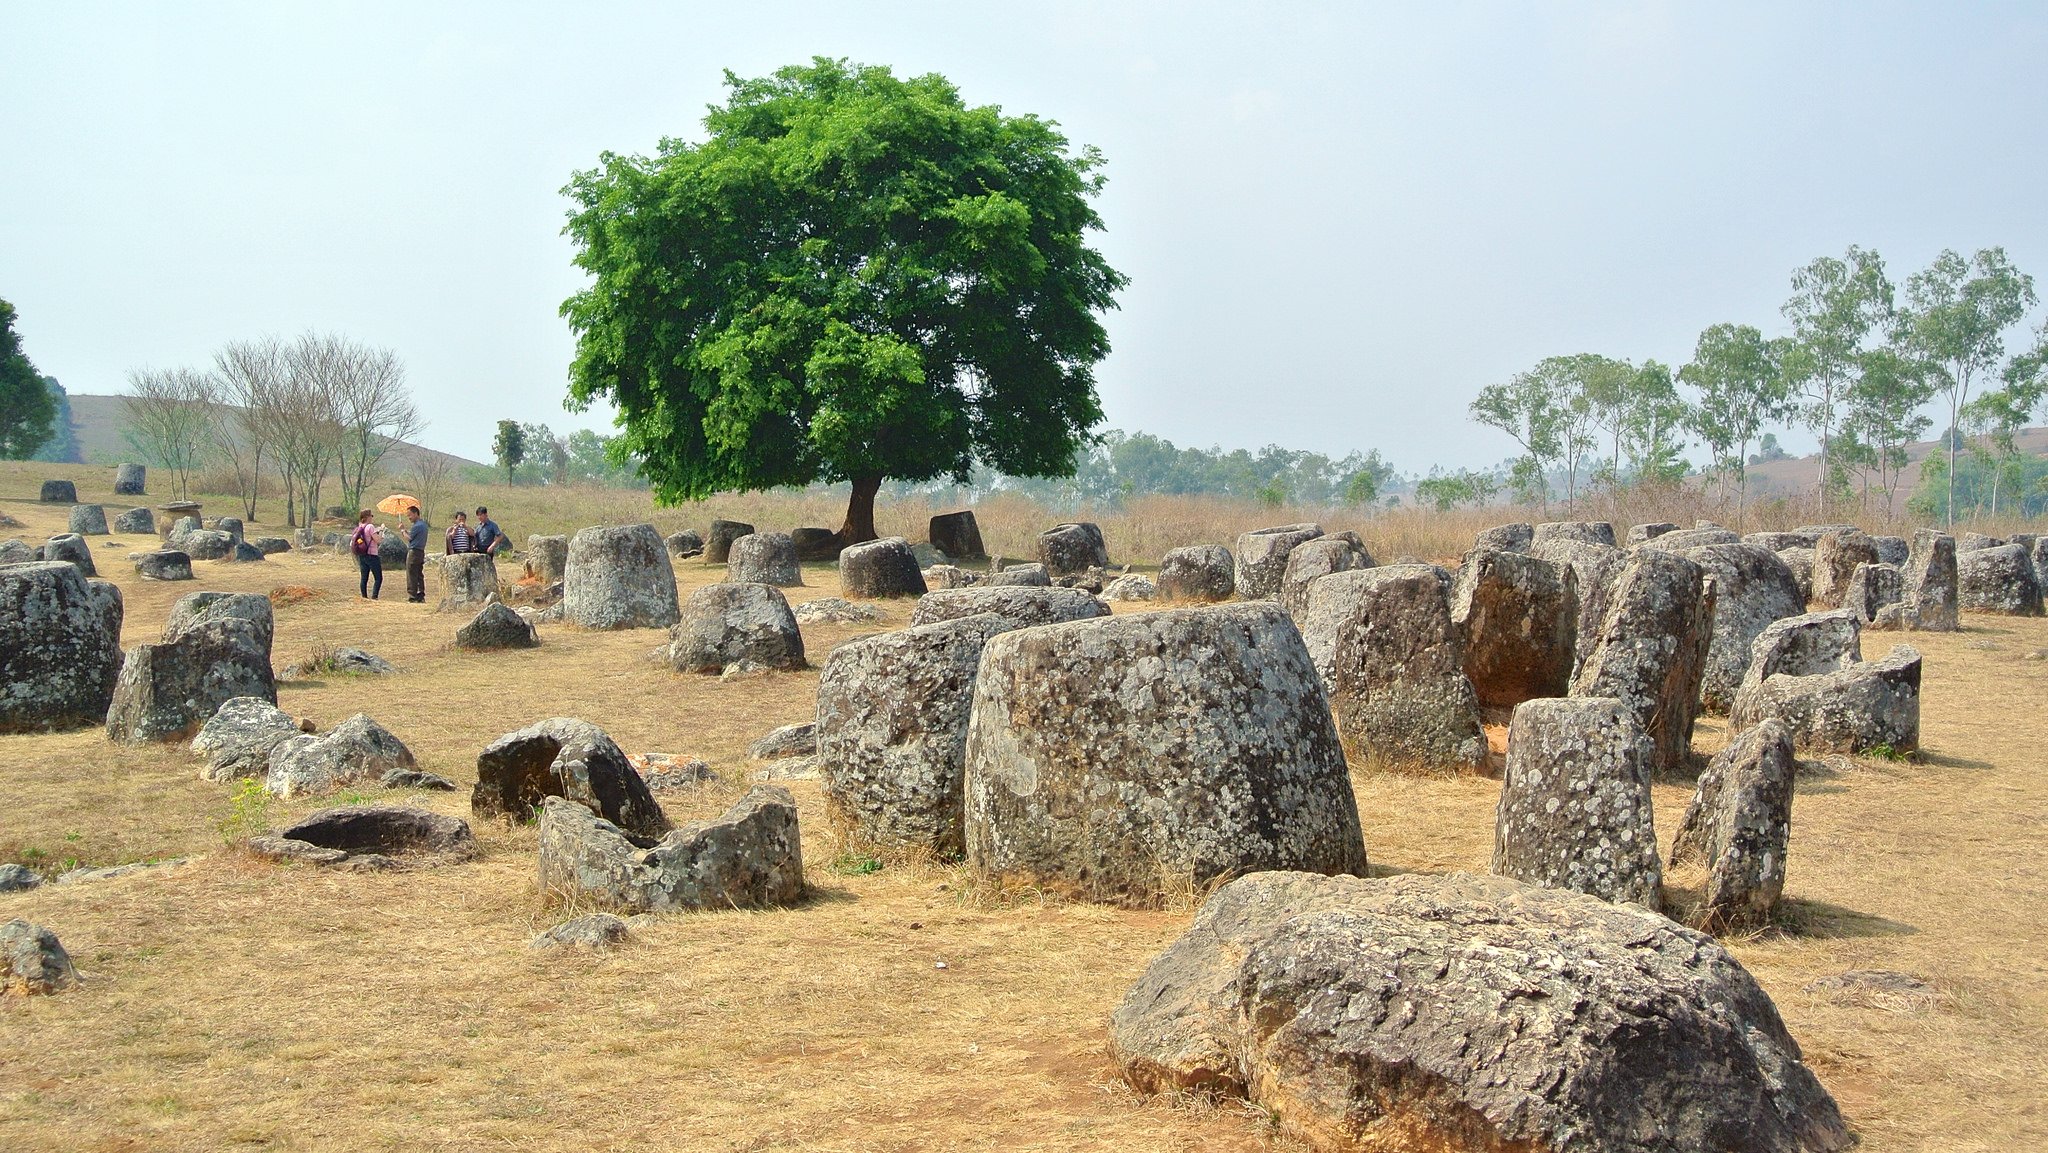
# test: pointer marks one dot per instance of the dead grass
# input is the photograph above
(236, 1003)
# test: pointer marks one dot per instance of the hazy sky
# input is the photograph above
(1339, 221)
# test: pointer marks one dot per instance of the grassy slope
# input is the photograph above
(236, 1004)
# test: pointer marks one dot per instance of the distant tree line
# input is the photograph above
(1861, 363)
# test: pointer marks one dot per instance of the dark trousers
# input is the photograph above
(369, 564)
(416, 574)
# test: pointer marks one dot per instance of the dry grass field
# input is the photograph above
(232, 1003)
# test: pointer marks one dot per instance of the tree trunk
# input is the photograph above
(860, 511)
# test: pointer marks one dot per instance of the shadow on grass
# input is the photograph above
(1822, 921)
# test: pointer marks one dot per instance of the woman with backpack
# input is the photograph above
(364, 543)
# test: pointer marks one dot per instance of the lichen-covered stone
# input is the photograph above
(1800, 561)
(167, 690)
(1973, 541)
(1516, 537)
(385, 836)
(718, 542)
(1067, 549)
(590, 931)
(356, 751)
(1467, 1013)
(1517, 620)
(891, 734)
(1397, 668)
(957, 534)
(469, 581)
(1574, 809)
(1999, 580)
(13, 551)
(685, 544)
(566, 758)
(1198, 572)
(619, 577)
(1738, 825)
(71, 548)
(1336, 552)
(1587, 531)
(725, 624)
(198, 607)
(32, 961)
(60, 647)
(1643, 533)
(1652, 652)
(231, 525)
(815, 543)
(270, 545)
(58, 492)
(750, 857)
(88, 520)
(1020, 606)
(1596, 570)
(1892, 550)
(135, 520)
(1116, 758)
(1262, 557)
(1835, 558)
(1031, 575)
(130, 479)
(238, 739)
(207, 544)
(1752, 589)
(880, 568)
(547, 558)
(1873, 588)
(496, 627)
(767, 558)
(835, 611)
(1933, 595)
(784, 741)
(1131, 587)
(1805, 645)
(1868, 705)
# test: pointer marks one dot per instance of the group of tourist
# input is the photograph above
(485, 537)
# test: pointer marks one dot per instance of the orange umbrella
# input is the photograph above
(396, 504)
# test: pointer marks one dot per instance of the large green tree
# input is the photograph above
(28, 412)
(853, 277)
(1836, 306)
(1742, 387)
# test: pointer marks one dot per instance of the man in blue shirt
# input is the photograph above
(415, 556)
(489, 540)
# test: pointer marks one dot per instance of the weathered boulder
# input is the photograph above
(835, 611)
(880, 568)
(1933, 591)
(1835, 558)
(1687, 539)
(1779, 541)
(353, 752)
(15, 552)
(244, 553)
(88, 520)
(1397, 668)
(130, 479)
(1998, 580)
(497, 627)
(750, 857)
(686, 544)
(1752, 589)
(1020, 607)
(1337, 552)
(1516, 537)
(1470, 1013)
(784, 741)
(1596, 569)
(767, 558)
(374, 836)
(816, 543)
(566, 758)
(167, 690)
(32, 961)
(1974, 541)
(18, 878)
(350, 661)
(1262, 557)
(1892, 550)
(547, 558)
(1864, 706)
(71, 547)
(1652, 652)
(726, 624)
(469, 581)
(183, 523)
(956, 534)
(1588, 531)
(212, 544)
(231, 525)
(1071, 548)
(718, 542)
(59, 492)
(135, 520)
(269, 545)
(1642, 533)
(1131, 587)
(590, 931)
(1021, 576)
(1574, 809)
(619, 577)
(928, 554)
(1800, 561)
(1873, 588)
(1738, 825)
(196, 608)
(391, 550)
(891, 734)
(60, 647)
(240, 736)
(1517, 620)
(1805, 645)
(1201, 572)
(1117, 758)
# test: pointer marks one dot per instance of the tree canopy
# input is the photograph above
(28, 412)
(853, 277)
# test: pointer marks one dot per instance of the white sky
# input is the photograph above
(1340, 221)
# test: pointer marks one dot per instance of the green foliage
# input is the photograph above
(2019, 482)
(1741, 383)
(28, 412)
(1444, 491)
(248, 812)
(855, 864)
(1768, 449)
(62, 447)
(854, 277)
(1835, 307)
(509, 446)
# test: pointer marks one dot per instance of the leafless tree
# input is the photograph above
(248, 375)
(169, 415)
(427, 476)
(376, 412)
(304, 416)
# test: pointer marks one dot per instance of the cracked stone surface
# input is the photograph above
(1574, 810)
